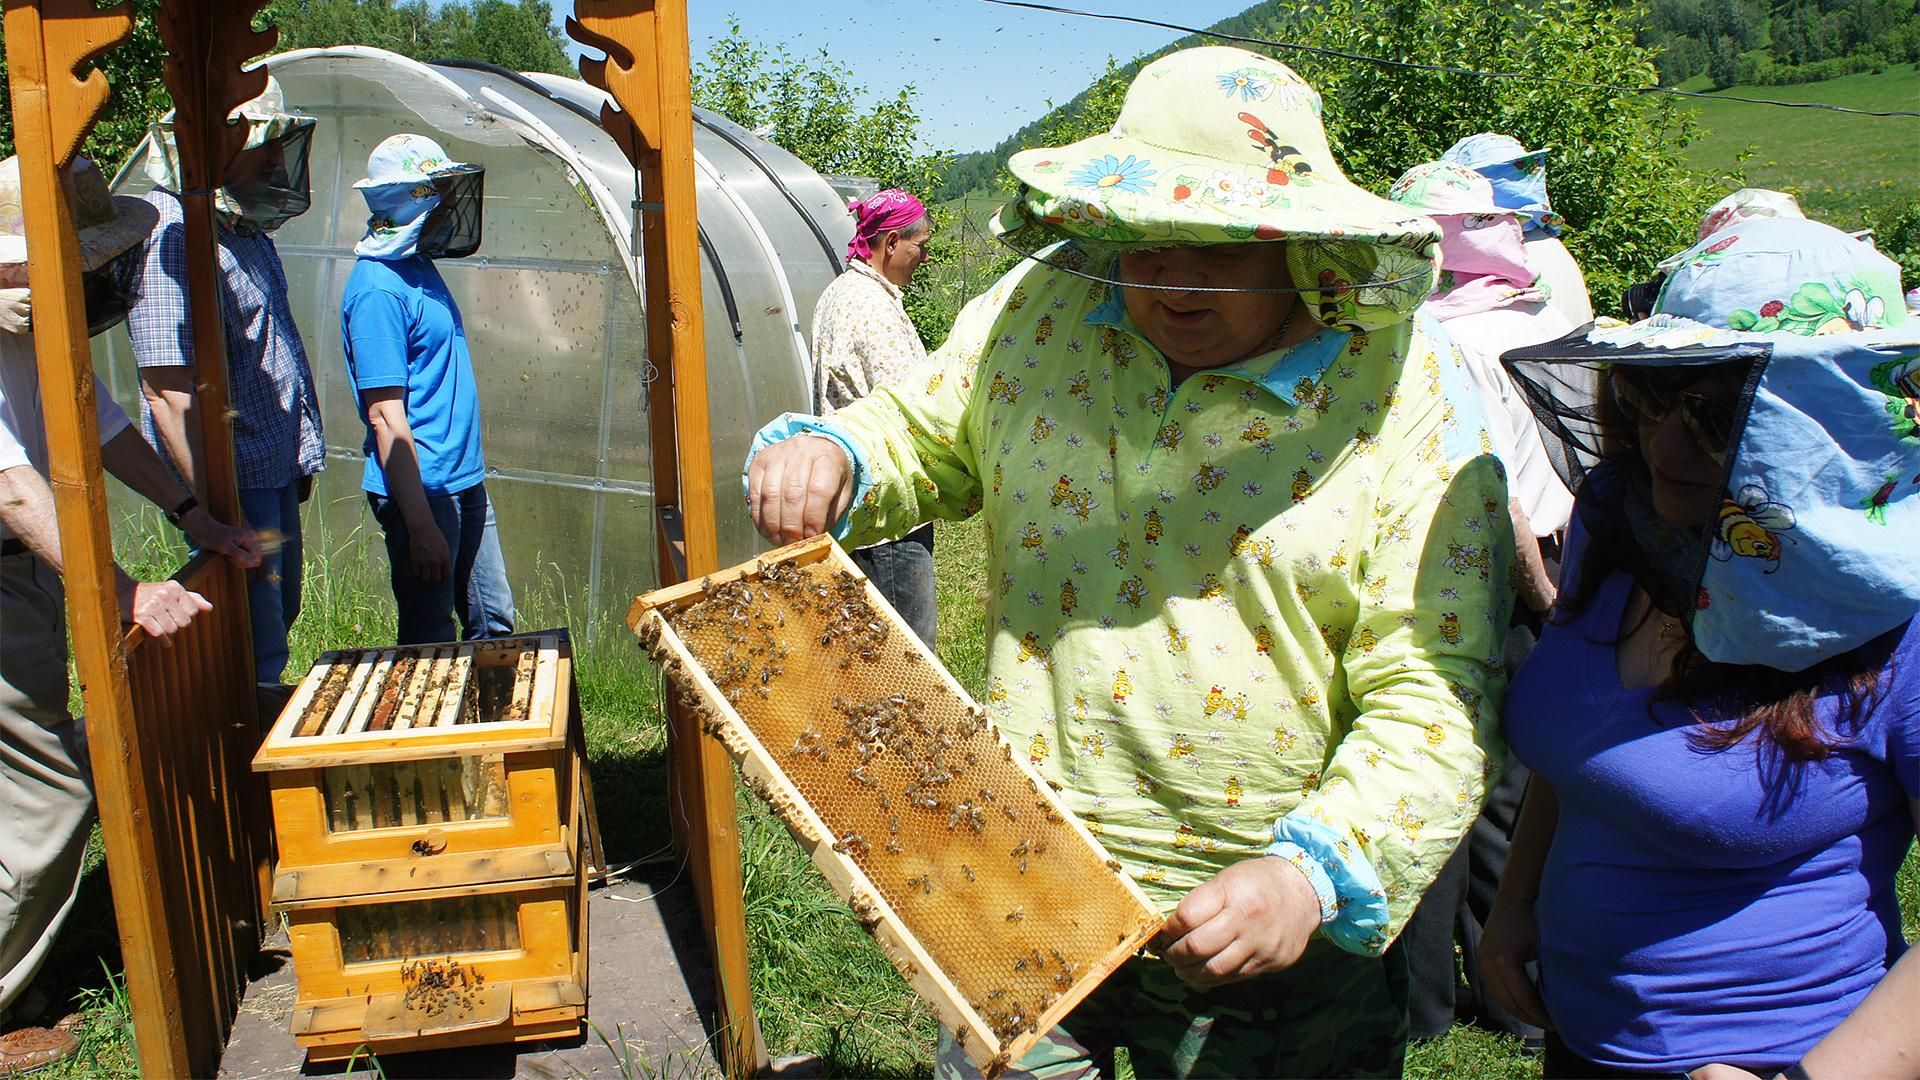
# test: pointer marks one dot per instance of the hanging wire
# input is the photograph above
(1319, 50)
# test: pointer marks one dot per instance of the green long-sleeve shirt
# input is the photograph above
(1277, 590)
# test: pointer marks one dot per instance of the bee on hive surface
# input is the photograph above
(1017, 914)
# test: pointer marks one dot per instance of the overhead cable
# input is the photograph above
(1414, 65)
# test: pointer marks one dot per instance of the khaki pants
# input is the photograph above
(46, 792)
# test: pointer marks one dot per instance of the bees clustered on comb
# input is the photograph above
(434, 986)
(935, 754)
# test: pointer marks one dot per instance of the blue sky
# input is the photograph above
(981, 70)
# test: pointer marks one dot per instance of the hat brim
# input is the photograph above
(1114, 188)
(415, 178)
(1509, 159)
(132, 223)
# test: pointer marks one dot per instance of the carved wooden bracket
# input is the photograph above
(73, 34)
(630, 75)
(208, 42)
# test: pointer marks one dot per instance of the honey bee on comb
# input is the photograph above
(920, 767)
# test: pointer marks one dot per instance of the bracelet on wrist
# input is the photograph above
(187, 506)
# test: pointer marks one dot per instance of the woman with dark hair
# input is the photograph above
(1723, 714)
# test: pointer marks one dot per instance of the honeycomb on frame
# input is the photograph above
(998, 907)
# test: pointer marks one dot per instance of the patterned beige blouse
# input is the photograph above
(862, 337)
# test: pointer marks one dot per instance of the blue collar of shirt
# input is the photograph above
(1278, 371)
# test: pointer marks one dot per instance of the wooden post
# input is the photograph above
(49, 42)
(648, 72)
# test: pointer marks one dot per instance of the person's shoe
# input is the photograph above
(30, 1049)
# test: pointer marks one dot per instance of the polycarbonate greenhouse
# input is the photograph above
(551, 302)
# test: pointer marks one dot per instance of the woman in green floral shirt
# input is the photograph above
(1249, 556)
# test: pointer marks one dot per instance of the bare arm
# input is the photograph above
(393, 441)
(1536, 585)
(128, 457)
(26, 508)
(1512, 937)
(161, 608)
(175, 405)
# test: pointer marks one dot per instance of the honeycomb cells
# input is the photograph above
(916, 788)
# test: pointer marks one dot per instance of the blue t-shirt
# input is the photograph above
(400, 327)
(1693, 908)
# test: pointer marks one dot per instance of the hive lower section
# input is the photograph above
(440, 968)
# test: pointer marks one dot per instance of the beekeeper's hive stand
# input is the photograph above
(998, 906)
(432, 859)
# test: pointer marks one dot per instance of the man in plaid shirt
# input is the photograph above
(275, 410)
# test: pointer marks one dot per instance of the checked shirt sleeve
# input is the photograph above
(1407, 779)
(159, 322)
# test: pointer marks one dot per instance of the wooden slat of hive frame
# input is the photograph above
(519, 707)
(297, 706)
(403, 717)
(456, 690)
(972, 914)
(438, 672)
(370, 694)
(362, 672)
(332, 687)
(393, 691)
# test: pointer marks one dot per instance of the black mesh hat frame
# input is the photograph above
(1568, 387)
(281, 192)
(453, 228)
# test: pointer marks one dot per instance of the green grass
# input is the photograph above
(1838, 164)
(821, 985)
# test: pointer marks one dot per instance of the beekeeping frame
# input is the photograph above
(994, 902)
(411, 787)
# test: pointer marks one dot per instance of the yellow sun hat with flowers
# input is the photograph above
(1218, 145)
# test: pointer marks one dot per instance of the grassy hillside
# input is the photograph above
(1837, 163)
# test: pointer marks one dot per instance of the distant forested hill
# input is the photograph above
(1727, 42)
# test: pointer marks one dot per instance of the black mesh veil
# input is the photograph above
(452, 229)
(1592, 444)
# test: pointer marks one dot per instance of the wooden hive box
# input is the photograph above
(998, 907)
(430, 765)
(429, 818)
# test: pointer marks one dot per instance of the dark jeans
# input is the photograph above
(903, 572)
(477, 592)
(273, 588)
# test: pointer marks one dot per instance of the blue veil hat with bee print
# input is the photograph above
(1810, 553)
(421, 201)
(1223, 146)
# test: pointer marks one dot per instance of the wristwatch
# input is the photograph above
(186, 507)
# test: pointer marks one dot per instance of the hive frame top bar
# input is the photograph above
(423, 721)
(762, 770)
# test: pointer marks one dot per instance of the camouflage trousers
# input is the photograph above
(1332, 1014)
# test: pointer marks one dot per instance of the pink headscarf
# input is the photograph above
(873, 218)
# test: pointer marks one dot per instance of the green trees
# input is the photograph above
(517, 34)
(1616, 170)
(809, 105)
